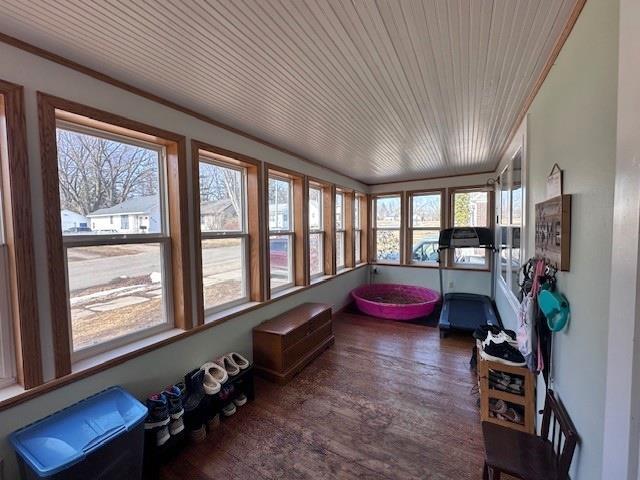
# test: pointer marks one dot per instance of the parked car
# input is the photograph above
(77, 230)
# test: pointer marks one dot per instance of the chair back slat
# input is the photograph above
(558, 428)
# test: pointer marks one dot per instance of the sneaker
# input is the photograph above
(240, 400)
(510, 416)
(210, 384)
(198, 434)
(229, 365)
(498, 349)
(174, 395)
(239, 360)
(158, 417)
(227, 392)
(229, 409)
(481, 332)
(497, 406)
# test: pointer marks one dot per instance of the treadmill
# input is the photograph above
(466, 311)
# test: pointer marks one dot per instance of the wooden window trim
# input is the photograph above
(254, 219)
(365, 201)
(14, 162)
(300, 200)
(328, 223)
(51, 109)
(409, 221)
(316, 184)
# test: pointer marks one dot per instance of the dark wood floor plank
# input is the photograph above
(389, 401)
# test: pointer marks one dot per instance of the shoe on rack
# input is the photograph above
(175, 395)
(481, 332)
(239, 360)
(216, 372)
(214, 422)
(198, 434)
(158, 417)
(498, 349)
(194, 404)
(240, 400)
(229, 409)
(497, 406)
(209, 381)
(510, 416)
(229, 365)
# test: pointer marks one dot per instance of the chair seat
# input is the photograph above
(517, 453)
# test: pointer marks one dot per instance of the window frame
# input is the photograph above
(411, 229)
(486, 266)
(52, 110)
(505, 228)
(321, 231)
(401, 228)
(242, 234)
(163, 239)
(21, 337)
(290, 232)
(342, 231)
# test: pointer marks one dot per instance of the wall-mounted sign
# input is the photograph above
(554, 182)
(553, 231)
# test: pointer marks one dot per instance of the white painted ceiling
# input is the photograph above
(378, 90)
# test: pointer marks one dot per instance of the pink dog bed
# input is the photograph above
(395, 302)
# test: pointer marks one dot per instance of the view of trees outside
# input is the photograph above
(97, 173)
(222, 213)
(316, 240)
(470, 210)
(425, 224)
(388, 229)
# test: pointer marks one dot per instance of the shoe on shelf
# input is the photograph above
(497, 406)
(216, 372)
(510, 416)
(498, 349)
(174, 395)
(240, 400)
(229, 365)
(229, 409)
(198, 434)
(193, 414)
(211, 374)
(239, 360)
(158, 417)
(227, 392)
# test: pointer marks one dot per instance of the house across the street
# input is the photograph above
(135, 215)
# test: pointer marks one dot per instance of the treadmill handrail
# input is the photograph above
(466, 237)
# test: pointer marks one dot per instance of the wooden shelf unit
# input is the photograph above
(527, 401)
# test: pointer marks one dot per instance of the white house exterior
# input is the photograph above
(135, 215)
(72, 220)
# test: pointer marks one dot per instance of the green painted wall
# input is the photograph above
(572, 121)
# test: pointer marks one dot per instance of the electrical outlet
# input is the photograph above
(375, 270)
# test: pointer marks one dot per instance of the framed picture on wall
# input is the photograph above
(553, 231)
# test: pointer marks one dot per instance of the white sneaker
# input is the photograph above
(176, 426)
(239, 360)
(240, 400)
(229, 365)
(229, 409)
(162, 436)
(499, 338)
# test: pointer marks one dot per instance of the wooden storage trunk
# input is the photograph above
(285, 344)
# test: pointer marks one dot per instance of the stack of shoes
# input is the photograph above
(507, 383)
(233, 363)
(214, 378)
(166, 410)
(501, 410)
(498, 345)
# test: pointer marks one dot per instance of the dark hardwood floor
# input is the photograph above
(388, 401)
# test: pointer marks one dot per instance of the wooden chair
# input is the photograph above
(531, 457)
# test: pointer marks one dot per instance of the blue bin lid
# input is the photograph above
(66, 437)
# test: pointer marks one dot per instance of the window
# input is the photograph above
(424, 227)
(118, 278)
(340, 231)
(386, 228)
(316, 232)
(223, 233)
(470, 208)
(7, 373)
(510, 223)
(357, 229)
(281, 233)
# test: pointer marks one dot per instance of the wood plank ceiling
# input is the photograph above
(378, 90)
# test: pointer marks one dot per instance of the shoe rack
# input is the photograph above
(524, 402)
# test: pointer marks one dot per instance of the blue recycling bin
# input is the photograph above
(100, 437)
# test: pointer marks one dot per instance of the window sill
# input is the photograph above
(14, 394)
